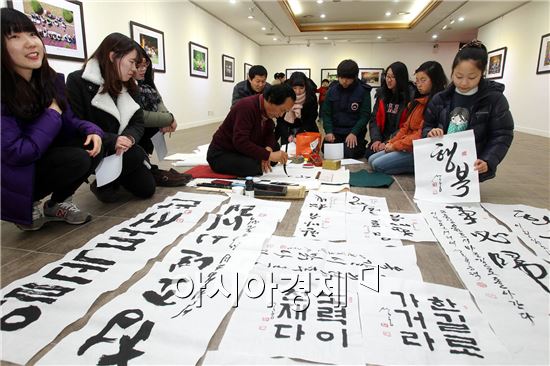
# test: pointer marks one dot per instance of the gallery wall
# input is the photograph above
(527, 92)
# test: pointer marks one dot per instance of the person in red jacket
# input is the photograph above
(397, 156)
(322, 90)
(244, 144)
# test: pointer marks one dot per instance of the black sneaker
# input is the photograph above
(106, 194)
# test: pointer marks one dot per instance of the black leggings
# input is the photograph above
(61, 170)
(135, 176)
(225, 162)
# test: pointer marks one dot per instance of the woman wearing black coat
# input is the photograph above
(303, 115)
(472, 102)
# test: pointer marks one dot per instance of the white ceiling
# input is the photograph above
(353, 15)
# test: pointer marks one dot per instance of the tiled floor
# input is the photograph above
(522, 179)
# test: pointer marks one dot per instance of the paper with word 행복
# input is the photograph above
(313, 328)
(530, 224)
(36, 308)
(425, 324)
(301, 257)
(444, 168)
(193, 287)
(509, 284)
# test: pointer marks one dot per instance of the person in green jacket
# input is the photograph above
(156, 117)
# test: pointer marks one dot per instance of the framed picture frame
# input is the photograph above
(246, 69)
(152, 41)
(198, 60)
(371, 76)
(228, 68)
(495, 63)
(61, 25)
(289, 72)
(543, 66)
(329, 74)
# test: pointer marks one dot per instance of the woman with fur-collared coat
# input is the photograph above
(102, 93)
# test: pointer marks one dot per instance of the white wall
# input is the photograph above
(193, 101)
(526, 91)
(368, 55)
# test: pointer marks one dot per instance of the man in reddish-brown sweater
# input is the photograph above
(244, 144)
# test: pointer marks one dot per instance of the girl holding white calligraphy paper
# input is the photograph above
(397, 156)
(104, 93)
(472, 102)
(45, 147)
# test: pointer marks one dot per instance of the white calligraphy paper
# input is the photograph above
(333, 151)
(510, 285)
(159, 144)
(425, 324)
(108, 169)
(530, 224)
(444, 168)
(36, 308)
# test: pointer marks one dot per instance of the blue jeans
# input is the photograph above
(395, 162)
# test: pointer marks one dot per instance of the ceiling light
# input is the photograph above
(232, 1)
(274, 38)
(461, 19)
(452, 21)
(403, 13)
(379, 37)
(251, 16)
(319, 1)
(295, 6)
(325, 38)
(323, 16)
(388, 13)
(434, 36)
(444, 27)
(263, 28)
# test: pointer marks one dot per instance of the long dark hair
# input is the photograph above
(149, 78)
(298, 78)
(121, 45)
(437, 76)
(25, 100)
(475, 51)
(402, 92)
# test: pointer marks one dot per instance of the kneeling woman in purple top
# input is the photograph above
(45, 148)
(244, 145)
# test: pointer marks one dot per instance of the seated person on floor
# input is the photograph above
(397, 156)
(303, 115)
(346, 110)
(244, 144)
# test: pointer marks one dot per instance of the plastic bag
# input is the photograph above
(307, 143)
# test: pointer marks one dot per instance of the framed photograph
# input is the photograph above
(305, 71)
(544, 55)
(371, 76)
(228, 68)
(495, 64)
(198, 60)
(152, 41)
(246, 69)
(329, 74)
(60, 24)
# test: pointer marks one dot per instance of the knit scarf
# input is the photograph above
(149, 98)
(296, 111)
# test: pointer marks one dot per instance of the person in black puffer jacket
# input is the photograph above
(472, 102)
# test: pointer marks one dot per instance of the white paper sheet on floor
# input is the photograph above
(530, 224)
(36, 308)
(425, 324)
(179, 304)
(445, 168)
(509, 284)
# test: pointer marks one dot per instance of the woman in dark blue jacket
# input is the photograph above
(472, 102)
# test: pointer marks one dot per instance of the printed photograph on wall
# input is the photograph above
(371, 76)
(228, 68)
(544, 55)
(329, 74)
(60, 24)
(152, 41)
(198, 60)
(305, 71)
(495, 63)
(246, 69)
